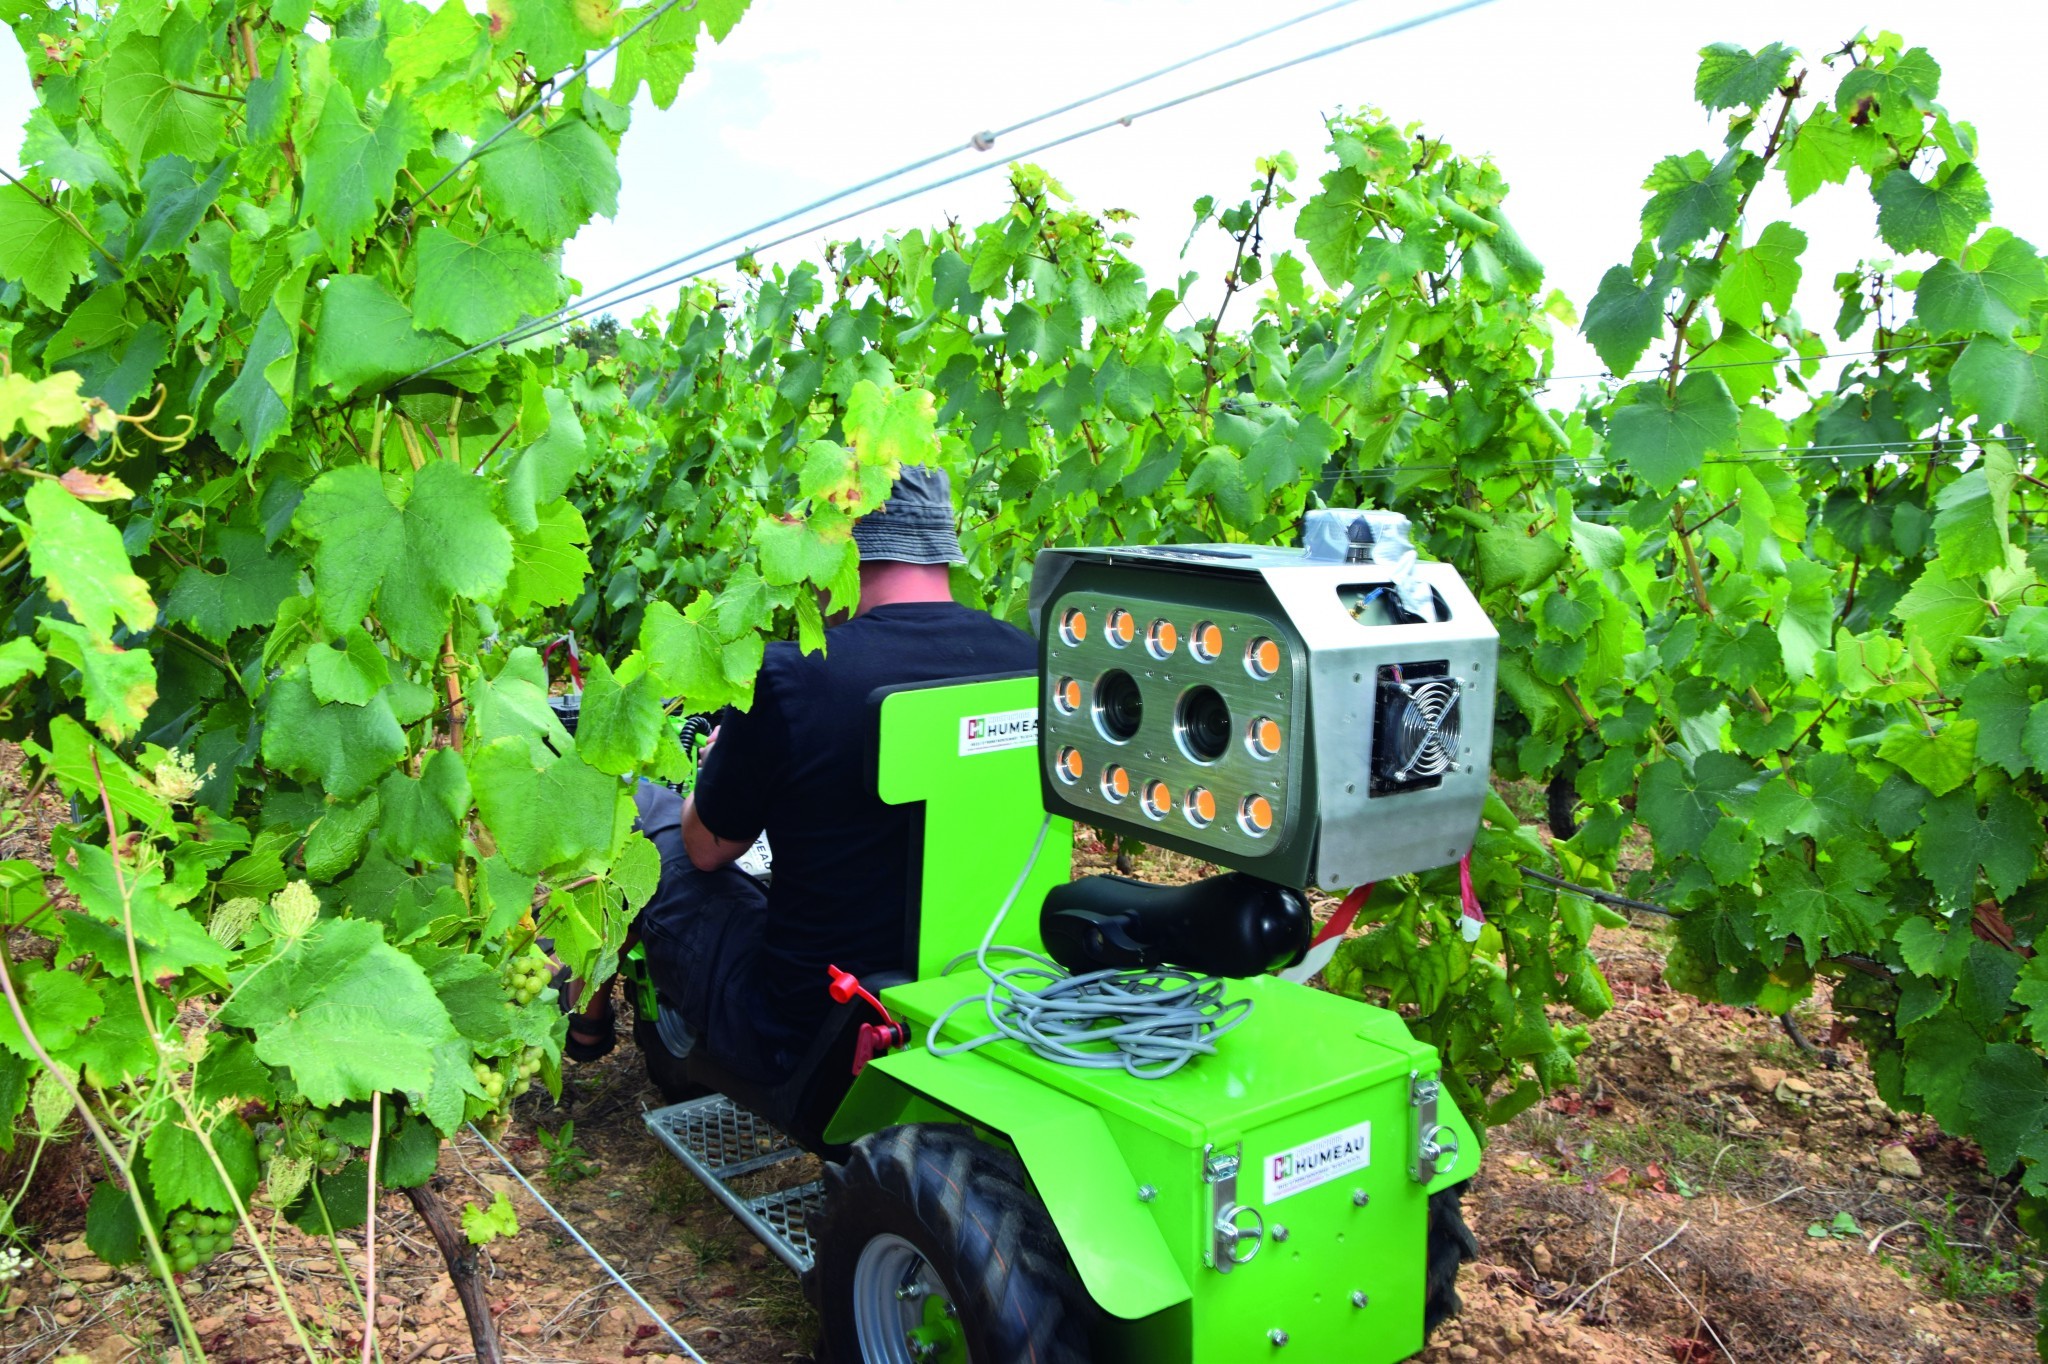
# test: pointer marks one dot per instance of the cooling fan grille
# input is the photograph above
(1416, 734)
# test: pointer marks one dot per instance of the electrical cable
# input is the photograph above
(1146, 1023)
(578, 74)
(588, 1249)
(609, 297)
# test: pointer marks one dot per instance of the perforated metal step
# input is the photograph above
(719, 1141)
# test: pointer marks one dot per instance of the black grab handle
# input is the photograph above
(1230, 925)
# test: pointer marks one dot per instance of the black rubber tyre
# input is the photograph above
(1561, 806)
(965, 1208)
(664, 1068)
(1451, 1244)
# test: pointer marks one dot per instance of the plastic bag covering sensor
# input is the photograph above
(1320, 715)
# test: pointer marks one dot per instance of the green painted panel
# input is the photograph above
(1080, 1174)
(982, 811)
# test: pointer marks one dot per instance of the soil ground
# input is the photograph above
(1711, 1191)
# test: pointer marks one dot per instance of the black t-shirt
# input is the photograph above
(799, 764)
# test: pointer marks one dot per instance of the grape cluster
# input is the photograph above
(526, 975)
(490, 1079)
(195, 1237)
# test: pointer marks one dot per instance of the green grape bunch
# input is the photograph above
(193, 1238)
(526, 975)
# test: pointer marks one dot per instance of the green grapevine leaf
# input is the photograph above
(543, 810)
(411, 557)
(1689, 198)
(794, 552)
(622, 718)
(553, 35)
(1916, 215)
(366, 338)
(548, 565)
(1767, 272)
(1828, 907)
(1682, 807)
(543, 470)
(352, 167)
(476, 290)
(1664, 437)
(336, 842)
(350, 669)
(1731, 77)
(39, 247)
(112, 1230)
(1891, 94)
(1821, 150)
(78, 555)
(151, 114)
(485, 1225)
(174, 202)
(1956, 841)
(253, 583)
(889, 427)
(120, 684)
(58, 1004)
(182, 1172)
(693, 659)
(345, 748)
(1993, 298)
(345, 1012)
(1624, 318)
(2003, 384)
(257, 408)
(423, 817)
(2006, 1094)
(1940, 761)
(547, 184)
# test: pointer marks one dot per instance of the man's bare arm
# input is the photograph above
(708, 852)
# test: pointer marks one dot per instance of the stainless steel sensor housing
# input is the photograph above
(1269, 711)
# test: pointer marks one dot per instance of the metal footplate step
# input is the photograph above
(718, 1141)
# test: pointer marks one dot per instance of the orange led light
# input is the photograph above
(1262, 659)
(1116, 783)
(1067, 695)
(1074, 627)
(1123, 627)
(1256, 815)
(1070, 765)
(1265, 736)
(1158, 799)
(1201, 807)
(1162, 639)
(1206, 644)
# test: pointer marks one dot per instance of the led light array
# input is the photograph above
(1172, 717)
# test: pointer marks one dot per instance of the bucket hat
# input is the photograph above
(915, 526)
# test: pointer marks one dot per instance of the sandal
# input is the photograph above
(591, 1036)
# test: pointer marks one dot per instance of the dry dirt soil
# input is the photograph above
(1711, 1192)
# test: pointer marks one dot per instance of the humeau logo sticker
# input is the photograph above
(1004, 729)
(1318, 1162)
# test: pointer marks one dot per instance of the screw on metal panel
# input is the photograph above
(1277, 1336)
(1146, 1193)
(1360, 1300)
(1359, 1198)
(910, 1292)
(1279, 1232)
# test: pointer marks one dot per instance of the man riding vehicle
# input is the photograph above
(741, 968)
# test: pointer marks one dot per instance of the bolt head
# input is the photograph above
(1360, 1300)
(1146, 1193)
(1277, 1336)
(1359, 1198)
(1279, 1232)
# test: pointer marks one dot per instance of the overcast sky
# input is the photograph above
(1574, 101)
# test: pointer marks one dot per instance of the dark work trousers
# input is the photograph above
(702, 931)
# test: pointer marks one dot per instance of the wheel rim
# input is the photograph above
(901, 1310)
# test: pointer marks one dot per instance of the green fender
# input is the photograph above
(1067, 1149)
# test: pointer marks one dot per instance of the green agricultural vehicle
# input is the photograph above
(1096, 1120)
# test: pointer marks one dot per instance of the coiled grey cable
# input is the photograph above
(1147, 1023)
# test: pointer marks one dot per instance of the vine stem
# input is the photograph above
(461, 1257)
(370, 1231)
(178, 1094)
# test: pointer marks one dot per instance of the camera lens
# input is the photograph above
(1119, 709)
(1203, 721)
